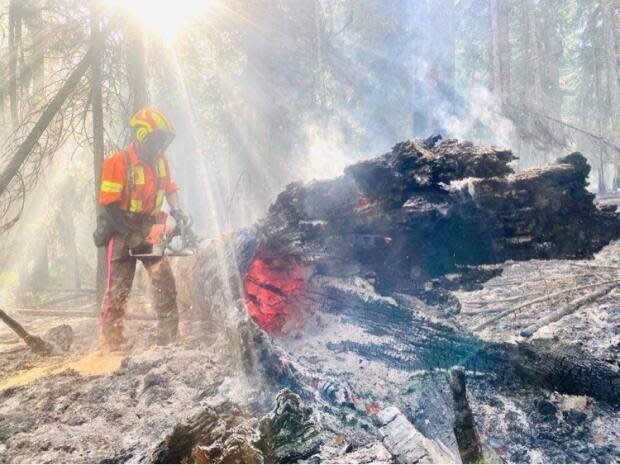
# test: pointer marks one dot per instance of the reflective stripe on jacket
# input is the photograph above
(139, 188)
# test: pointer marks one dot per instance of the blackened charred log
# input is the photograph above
(419, 343)
(417, 214)
(223, 434)
(556, 366)
(405, 222)
(288, 433)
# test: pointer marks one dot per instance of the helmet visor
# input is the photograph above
(158, 141)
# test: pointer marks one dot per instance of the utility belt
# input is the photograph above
(140, 219)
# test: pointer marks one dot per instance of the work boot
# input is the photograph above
(116, 344)
(112, 337)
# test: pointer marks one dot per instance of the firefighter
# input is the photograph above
(134, 184)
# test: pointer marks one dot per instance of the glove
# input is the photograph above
(179, 216)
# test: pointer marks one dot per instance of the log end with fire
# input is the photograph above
(408, 219)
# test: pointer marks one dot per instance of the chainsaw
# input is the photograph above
(173, 241)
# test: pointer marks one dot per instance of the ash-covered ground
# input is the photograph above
(94, 407)
(517, 423)
(98, 407)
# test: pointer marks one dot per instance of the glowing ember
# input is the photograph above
(274, 290)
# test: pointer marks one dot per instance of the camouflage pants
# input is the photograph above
(121, 268)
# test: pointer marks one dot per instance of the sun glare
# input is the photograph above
(163, 16)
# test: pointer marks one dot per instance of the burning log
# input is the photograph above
(343, 271)
(417, 220)
(416, 215)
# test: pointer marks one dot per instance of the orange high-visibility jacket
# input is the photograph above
(137, 188)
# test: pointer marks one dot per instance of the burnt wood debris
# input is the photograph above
(35, 343)
(361, 268)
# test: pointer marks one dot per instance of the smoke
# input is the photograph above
(481, 119)
(325, 155)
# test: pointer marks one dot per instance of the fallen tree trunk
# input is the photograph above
(415, 222)
(421, 219)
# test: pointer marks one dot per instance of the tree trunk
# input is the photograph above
(598, 98)
(533, 58)
(97, 45)
(500, 50)
(551, 51)
(14, 42)
(612, 65)
(136, 64)
(52, 109)
(531, 91)
(38, 59)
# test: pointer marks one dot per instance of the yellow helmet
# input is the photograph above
(148, 120)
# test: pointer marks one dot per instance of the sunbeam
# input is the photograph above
(163, 17)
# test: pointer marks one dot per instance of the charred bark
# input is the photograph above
(410, 216)
(413, 222)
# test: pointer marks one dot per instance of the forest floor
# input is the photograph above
(89, 406)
